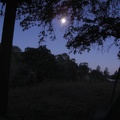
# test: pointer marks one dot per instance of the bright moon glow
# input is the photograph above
(63, 20)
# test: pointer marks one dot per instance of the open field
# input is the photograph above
(61, 101)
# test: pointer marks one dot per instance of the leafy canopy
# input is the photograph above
(90, 21)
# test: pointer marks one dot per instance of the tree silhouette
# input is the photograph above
(22, 7)
(67, 67)
(106, 72)
(83, 70)
(41, 62)
(91, 22)
(5, 55)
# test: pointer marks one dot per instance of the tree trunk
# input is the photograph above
(5, 55)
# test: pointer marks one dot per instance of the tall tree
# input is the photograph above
(5, 55)
(31, 13)
(97, 75)
(67, 67)
(91, 22)
(106, 72)
(41, 62)
(98, 68)
(16, 60)
(83, 70)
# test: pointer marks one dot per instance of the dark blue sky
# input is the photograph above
(94, 58)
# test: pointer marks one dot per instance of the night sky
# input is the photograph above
(94, 58)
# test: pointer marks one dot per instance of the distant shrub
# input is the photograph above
(23, 77)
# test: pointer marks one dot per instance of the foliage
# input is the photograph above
(67, 67)
(90, 21)
(41, 61)
(35, 65)
(83, 71)
(98, 68)
(23, 77)
(101, 21)
(96, 75)
(118, 55)
(16, 61)
(106, 72)
(115, 75)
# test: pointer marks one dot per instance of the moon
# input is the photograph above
(63, 20)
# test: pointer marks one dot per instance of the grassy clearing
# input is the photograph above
(60, 101)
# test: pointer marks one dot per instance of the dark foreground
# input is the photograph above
(61, 101)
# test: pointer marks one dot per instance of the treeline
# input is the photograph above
(36, 65)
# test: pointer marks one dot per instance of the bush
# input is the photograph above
(23, 77)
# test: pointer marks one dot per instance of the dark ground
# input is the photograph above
(62, 101)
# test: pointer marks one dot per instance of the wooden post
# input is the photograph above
(5, 54)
